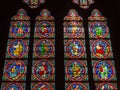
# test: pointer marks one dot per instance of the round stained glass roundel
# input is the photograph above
(76, 70)
(74, 48)
(20, 30)
(44, 48)
(17, 48)
(74, 30)
(104, 70)
(43, 70)
(15, 70)
(101, 48)
(98, 30)
(44, 29)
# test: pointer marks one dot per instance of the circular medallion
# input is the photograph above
(20, 30)
(44, 29)
(17, 48)
(34, 3)
(44, 48)
(42, 86)
(98, 30)
(15, 70)
(106, 86)
(43, 70)
(104, 70)
(76, 70)
(74, 48)
(74, 30)
(76, 86)
(13, 86)
(101, 48)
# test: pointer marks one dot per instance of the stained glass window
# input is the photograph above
(83, 3)
(75, 52)
(34, 3)
(101, 52)
(15, 66)
(43, 66)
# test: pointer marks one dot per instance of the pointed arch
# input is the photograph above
(15, 66)
(75, 62)
(43, 68)
(101, 52)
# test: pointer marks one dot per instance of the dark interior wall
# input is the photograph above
(59, 9)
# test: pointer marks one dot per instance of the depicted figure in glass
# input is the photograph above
(17, 48)
(98, 31)
(104, 70)
(15, 70)
(101, 49)
(76, 70)
(43, 70)
(44, 48)
(74, 48)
